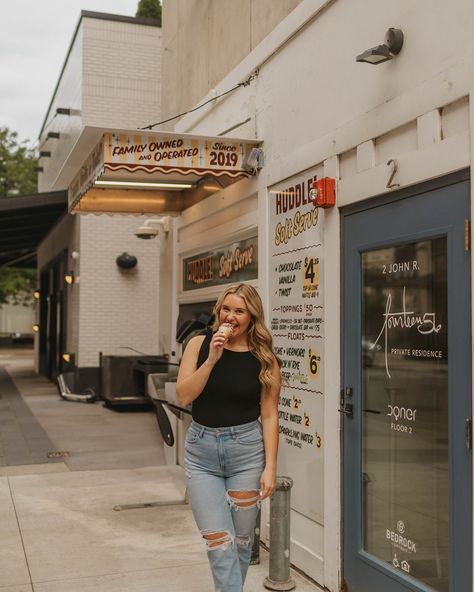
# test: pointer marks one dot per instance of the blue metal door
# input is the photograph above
(406, 401)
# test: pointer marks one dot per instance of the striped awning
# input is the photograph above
(146, 172)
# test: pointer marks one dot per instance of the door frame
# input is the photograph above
(455, 446)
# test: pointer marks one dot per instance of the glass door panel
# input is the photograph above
(404, 405)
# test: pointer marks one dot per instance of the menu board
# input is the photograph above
(297, 325)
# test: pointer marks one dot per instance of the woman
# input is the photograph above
(232, 377)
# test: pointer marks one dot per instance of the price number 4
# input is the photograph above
(309, 268)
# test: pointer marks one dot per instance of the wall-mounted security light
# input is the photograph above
(146, 232)
(45, 154)
(143, 185)
(149, 230)
(36, 294)
(36, 328)
(253, 162)
(382, 53)
(69, 278)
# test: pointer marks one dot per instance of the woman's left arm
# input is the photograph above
(269, 416)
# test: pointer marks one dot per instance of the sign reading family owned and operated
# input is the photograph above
(235, 262)
(162, 152)
(297, 325)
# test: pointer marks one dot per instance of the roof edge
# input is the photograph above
(121, 18)
(36, 199)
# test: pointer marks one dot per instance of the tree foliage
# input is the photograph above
(149, 9)
(17, 166)
(17, 285)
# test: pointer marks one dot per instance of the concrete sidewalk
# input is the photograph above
(59, 529)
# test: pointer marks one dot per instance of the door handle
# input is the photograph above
(468, 434)
(347, 410)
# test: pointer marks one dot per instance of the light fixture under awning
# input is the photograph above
(145, 172)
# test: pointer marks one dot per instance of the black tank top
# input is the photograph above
(232, 393)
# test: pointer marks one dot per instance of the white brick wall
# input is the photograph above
(117, 308)
(122, 73)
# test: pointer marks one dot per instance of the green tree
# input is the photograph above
(17, 166)
(17, 177)
(17, 285)
(149, 9)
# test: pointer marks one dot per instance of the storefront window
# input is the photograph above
(405, 409)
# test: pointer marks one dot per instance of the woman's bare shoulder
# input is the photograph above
(194, 344)
(190, 355)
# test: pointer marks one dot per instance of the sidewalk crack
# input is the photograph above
(21, 535)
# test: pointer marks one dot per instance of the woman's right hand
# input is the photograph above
(216, 347)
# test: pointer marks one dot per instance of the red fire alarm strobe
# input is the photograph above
(323, 192)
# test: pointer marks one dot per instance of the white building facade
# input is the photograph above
(365, 299)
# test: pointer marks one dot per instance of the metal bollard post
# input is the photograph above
(255, 557)
(279, 571)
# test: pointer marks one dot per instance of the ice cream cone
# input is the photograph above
(226, 330)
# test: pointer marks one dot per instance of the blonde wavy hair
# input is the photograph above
(259, 337)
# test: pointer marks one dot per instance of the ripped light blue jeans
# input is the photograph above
(223, 469)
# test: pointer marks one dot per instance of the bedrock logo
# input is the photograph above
(401, 542)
